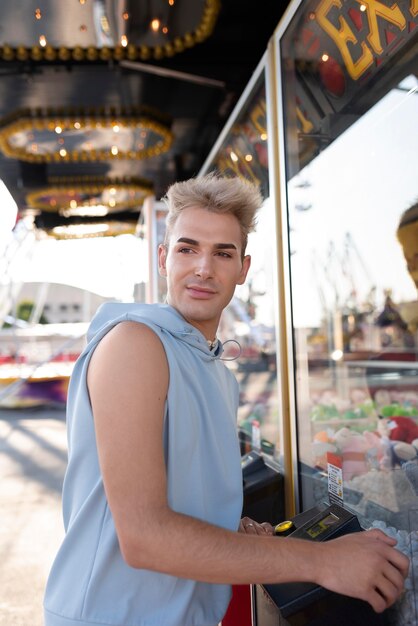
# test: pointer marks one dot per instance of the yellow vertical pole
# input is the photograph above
(284, 338)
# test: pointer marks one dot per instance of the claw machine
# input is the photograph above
(345, 177)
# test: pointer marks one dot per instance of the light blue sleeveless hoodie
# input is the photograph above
(90, 583)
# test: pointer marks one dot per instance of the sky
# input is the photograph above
(360, 184)
(109, 266)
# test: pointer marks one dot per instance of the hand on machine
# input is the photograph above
(358, 564)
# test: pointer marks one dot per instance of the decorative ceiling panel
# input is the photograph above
(44, 136)
(88, 196)
(93, 30)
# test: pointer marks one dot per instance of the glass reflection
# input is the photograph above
(354, 296)
(244, 150)
(350, 101)
(250, 321)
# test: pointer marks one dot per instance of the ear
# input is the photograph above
(246, 263)
(162, 258)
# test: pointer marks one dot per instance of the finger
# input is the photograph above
(248, 526)
(244, 521)
(376, 600)
(397, 558)
(268, 528)
(251, 528)
(260, 530)
(375, 533)
(401, 562)
(388, 591)
(396, 578)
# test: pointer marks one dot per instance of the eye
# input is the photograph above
(225, 255)
(185, 250)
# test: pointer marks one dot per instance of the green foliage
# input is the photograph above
(396, 409)
(329, 412)
(364, 410)
(24, 311)
(325, 412)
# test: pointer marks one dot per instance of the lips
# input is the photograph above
(197, 291)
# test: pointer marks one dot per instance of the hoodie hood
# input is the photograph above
(162, 316)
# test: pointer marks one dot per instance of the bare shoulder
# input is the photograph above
(129, 353)
(130, 331)
(132, 339)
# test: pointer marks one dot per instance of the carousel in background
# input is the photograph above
(43, 324)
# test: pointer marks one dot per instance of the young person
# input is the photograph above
(153, 492)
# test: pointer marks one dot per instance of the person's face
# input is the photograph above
(203, 265)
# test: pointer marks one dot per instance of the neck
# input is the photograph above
(207, 329)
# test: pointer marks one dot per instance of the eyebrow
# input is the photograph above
(218, 246)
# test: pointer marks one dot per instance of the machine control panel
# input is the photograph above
(320, 523)
(330, 523)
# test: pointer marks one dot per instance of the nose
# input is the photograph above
(204, 267)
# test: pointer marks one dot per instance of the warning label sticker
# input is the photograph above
(335, 479)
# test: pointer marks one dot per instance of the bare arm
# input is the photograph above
(128, 382)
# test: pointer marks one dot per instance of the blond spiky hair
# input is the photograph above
(218, 194)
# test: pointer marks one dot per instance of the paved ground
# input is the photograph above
(32, 464)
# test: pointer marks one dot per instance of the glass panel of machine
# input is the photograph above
(244, 149)
(250, 318)
(350, 99)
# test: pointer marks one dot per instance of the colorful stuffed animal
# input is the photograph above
(399, 428)
(323, 442)
(354, 448)
(403, 452)
(377, 454)
(402, 434)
